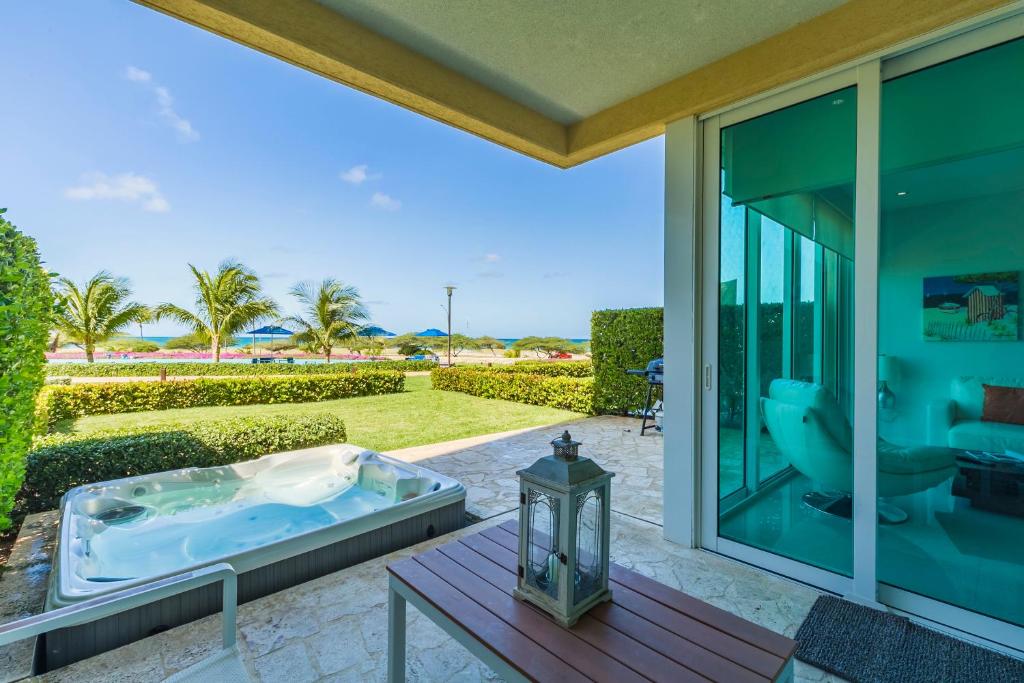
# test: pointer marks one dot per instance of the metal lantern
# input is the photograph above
(564, 506)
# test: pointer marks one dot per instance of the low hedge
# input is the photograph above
(572, 368)
(60, 462)
(57, 403)
(621, 340)
(152, 368)
(568, 393)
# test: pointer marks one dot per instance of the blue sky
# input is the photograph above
(137, 143)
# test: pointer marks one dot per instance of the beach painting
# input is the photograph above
(979, 307)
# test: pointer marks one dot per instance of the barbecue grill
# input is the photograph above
(654, 373)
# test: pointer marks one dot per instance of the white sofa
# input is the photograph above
(956, 421)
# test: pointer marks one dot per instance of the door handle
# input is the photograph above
(707, 377)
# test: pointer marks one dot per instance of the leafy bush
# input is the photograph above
(572, 368)
(26, 306)
(568, 393)
(622, 340)
(195, 342)
(546, 346)
(228, 369)
(511, 353)
(60, 462)
(59, 403)
(133, 346)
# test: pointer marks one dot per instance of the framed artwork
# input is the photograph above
(979, 307)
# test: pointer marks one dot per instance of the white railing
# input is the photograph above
(107, 605)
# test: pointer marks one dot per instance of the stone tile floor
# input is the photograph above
(335, 628)
(488, 469)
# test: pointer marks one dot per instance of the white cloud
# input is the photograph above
(357, 175)
(492, 258)
(386, 202)
(164, 104)
(133, 73)
(125, 187)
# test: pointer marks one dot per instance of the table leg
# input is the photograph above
(396, 636)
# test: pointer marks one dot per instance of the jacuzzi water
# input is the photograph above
(120, 533)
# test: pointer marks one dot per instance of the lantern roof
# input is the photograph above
(564, 468)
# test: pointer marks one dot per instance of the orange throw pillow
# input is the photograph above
(1003, 404)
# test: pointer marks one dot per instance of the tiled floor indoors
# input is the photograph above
(335, 628)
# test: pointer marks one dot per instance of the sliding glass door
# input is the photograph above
(786, 234)
(890, 422)
(951, 407)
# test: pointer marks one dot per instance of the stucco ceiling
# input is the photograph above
(570, 59)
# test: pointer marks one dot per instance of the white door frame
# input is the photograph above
(703, 147)
(711, 189)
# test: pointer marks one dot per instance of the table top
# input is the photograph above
(647, 632)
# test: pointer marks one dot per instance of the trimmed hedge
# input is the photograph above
(573, 368)
(26, 306)
(57, 403)
(60, 462)
(568, 393)
(152, 369)
(625, 339)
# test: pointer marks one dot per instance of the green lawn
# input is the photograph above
(418, 416)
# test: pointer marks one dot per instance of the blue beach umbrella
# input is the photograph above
(431, 332)
(374, 331)
(268, 330)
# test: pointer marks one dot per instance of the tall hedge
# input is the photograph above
(57, 403)
(620, 340)
(26, 305)
(198, 369)
(60, 462)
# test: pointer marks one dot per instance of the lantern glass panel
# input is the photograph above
(543, 564)
(589, 541)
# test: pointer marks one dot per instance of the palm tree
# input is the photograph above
(333, 313)
(96, 311)
(227, 302)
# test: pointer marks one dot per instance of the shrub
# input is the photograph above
(511, 353)
(622, 340)
(228, 369)
(568, 393)
(59, 403)
(573, 368)
(60, 462)
(26, 307)
(133, 346)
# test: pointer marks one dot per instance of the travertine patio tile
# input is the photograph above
(487, 468)
(290, 663)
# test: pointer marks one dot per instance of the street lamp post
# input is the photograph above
(449, 289)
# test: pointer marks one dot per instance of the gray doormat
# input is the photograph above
(865, 645)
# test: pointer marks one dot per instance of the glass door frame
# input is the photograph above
(957, 40)
(711, 205)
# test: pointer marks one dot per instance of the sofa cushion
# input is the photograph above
(819, 399)
(969, 393)
(994, 437)
(1003, 404)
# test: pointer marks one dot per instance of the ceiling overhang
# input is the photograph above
(312, 36)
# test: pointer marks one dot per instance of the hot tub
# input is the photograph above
(279, 520)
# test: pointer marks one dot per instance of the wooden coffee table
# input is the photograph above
(648, 632)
